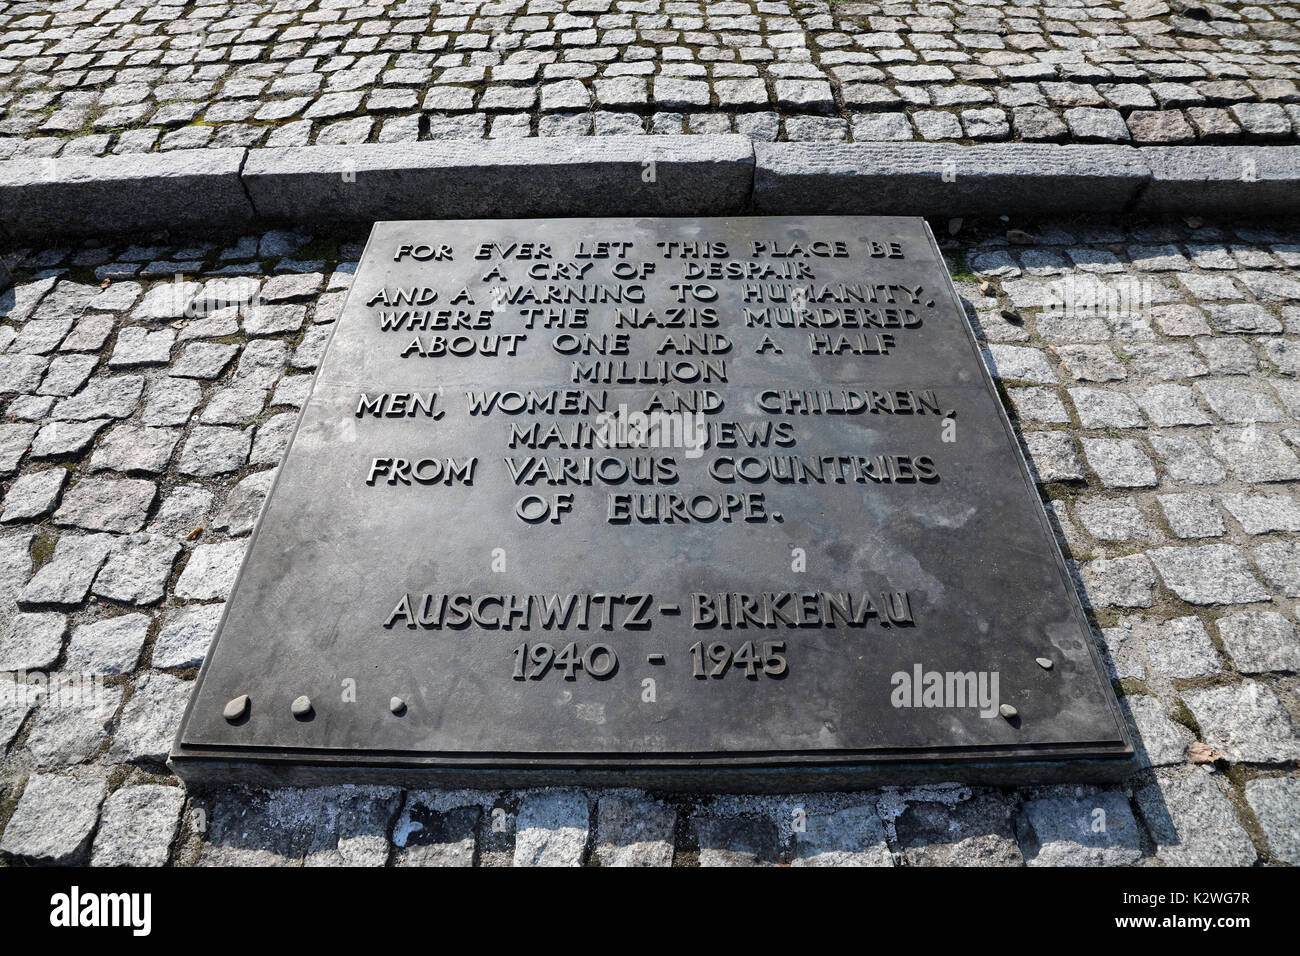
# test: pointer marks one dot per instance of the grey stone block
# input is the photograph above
(1080, 830)
(32, 642)
(1234, 180)
(606, 176)
(634, 831)
(1212, 574)
(71, 731)
(352, 826)
(1192, 822)
(323, 826)
(14, 708)
(211, 571)
(1259, 641)
(251, 829)
(552, 829)
(736, 841)
(975, 832)
(85, 195)
(107, 504)
(1275, 801)
(1246, 721)
(1159, 741)
(65, 579)
(138, 825)
(854, 836)
(149, 720)
(943, 179)
(424, 836)
(184, 638)
(109, 646)
(54, 819)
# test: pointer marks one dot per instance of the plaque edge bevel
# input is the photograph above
(246, 770)
(178, 741)
(1077, 610)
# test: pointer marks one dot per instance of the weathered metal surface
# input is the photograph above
(914, 543)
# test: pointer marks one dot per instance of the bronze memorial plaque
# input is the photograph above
(713, 504)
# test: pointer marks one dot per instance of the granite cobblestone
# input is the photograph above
(119, 76)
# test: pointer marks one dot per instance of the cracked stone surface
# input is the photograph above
(1159, 410)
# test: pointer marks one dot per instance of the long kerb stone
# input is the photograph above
(459, 179)
(86, 196)
(937, 179)
(1232, 180)
(198, 190)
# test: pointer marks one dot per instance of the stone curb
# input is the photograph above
(485, 179)
(1231, 180)
(939, 179)
(204, 190)
(183, 191)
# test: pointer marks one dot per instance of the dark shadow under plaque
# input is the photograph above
(828, 566)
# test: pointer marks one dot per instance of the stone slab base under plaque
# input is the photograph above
(706, 504)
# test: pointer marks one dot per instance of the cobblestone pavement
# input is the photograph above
(143, 416)
(82, 77)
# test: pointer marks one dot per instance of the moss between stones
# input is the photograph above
(43, 549)
(1181, 715)
(1061, 490)
(1130, 687)
(324, 248)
